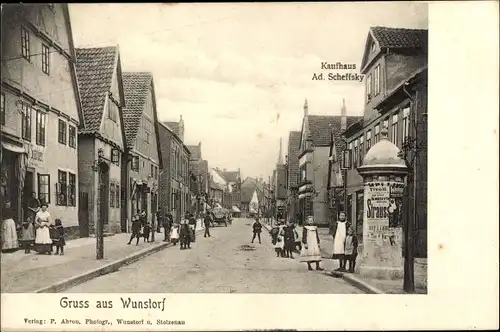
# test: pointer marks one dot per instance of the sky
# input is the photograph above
(239, 73)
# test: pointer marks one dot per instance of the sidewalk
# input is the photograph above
(370, 285)
(25, 273)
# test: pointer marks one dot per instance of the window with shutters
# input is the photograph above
(72, 190)
(62, 188)
(376, 137)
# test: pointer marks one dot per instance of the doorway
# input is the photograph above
(103, 199)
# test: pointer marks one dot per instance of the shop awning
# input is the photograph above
(252, 210)
(13, 147)
(235, 209)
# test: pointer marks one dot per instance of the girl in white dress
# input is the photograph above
(339, 235)
(174, 234)
(310, 245)
(43, 222)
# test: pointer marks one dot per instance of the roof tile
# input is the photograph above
(400, 38)
(293, 157)
(136, 87)
(94, 70)
(174, 126)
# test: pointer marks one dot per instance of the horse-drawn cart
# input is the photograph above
(220, 217)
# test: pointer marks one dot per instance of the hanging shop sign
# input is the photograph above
(35, 154)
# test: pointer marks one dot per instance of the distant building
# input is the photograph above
(174, 180)
(101, 140)
(200, 178)
(40, 112)
(143, 154)
(315, 144)
(279, 182)
(293, 174)
(395, 64)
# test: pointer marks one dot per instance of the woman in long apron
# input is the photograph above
(339, 235)
(43, 221)
(9, 230)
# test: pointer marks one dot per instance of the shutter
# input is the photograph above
(58, 190)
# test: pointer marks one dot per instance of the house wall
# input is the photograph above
(165, 187)
(320, 181)
(51, 93)
(87, 177)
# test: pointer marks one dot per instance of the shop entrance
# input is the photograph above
(28, 190)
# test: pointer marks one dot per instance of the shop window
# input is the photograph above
(62, 132)
(26, 122)
(25, 43)
(112, 195)
(44, 187)
(40, 119)
(62, 188)
(2, 110)
(72, 136)
(72, 190)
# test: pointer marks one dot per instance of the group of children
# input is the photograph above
(140, 228)
(28, 233)
(285, 239)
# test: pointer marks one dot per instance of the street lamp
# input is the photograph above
(100, 166)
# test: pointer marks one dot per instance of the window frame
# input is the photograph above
(135, 161)
(376, 82)
(368, 139)
(71, 189)
(26, 119)
(394, 129)
(369, 88)
(25, 43)
(356, 154)
(386, 123)
(112, 194)
(115, 156)
(406, 122)
(40, 184)
(45, 58)
(376, 137)
(2, 109)
(62, 188)
(112, 115)
(40, 127)
(361, 147)
(71, 139)
(64, 132)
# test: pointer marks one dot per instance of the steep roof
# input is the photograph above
(293, 154)
(195, 151)
(400, 38)
(247, 194)
(174, 126)
(94, 70)
(137, 86)
(231, 176)
(320, 130)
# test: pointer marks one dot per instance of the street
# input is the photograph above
(224, 263)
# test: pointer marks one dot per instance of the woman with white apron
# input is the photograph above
(339, 235)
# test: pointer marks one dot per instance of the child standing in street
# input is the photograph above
(27, 235)
(136, 229)
(351, 249)
(58, 239)
(257, 229)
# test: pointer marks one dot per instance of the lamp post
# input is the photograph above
(100, 166)
(346, 164)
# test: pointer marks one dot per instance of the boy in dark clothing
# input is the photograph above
(167, 226)
(146, 230)
(257, 229)
(136, 229)
(58, 240)
(207, 221)
(351, 249)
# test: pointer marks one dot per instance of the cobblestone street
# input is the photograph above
(225, 263)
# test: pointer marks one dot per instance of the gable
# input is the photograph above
(95, 68)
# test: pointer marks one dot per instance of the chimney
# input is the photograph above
(306, 109)
(343, 117)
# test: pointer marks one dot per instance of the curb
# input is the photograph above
(103, 270)
(349, 278)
